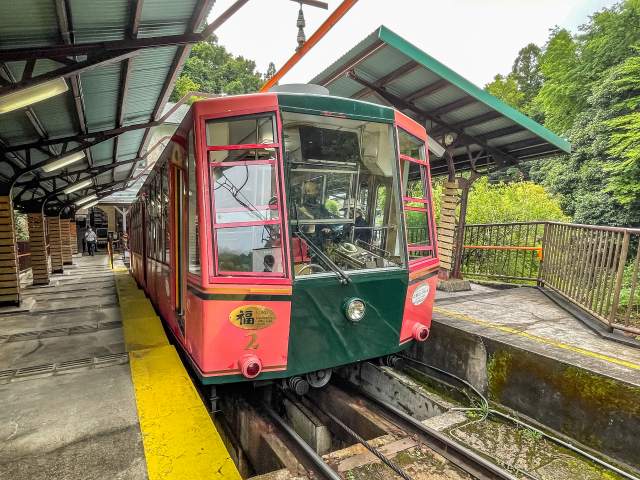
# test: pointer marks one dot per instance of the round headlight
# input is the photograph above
(355, 309)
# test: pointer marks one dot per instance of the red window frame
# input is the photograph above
(217, 274)
(426, 201)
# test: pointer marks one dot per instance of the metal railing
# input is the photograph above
(596, 268)
(503, 251)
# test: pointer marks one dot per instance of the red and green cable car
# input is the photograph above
(285, 234)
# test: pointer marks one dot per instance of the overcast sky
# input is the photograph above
(476, 38)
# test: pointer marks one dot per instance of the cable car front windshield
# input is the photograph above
(343, 194)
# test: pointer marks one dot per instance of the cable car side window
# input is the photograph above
(193, 224)
(416, 196)
(243, 167)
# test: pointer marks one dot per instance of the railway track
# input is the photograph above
(467, 461)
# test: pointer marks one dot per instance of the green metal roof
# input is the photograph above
(387, 69)
(128, 92)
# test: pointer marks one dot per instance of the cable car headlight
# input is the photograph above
(355, 309)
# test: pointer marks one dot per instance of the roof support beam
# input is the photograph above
(70, 70)
(115, 46)
(502, 132)
(63, 13)
(104, 134)
(125, 75)
(402, 104)
(455, 105)
(469, 122)
(399, 72)
(428, 90)
(178, 61)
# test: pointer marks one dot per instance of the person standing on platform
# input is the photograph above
(90, 237)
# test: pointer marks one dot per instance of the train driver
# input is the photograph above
(313, 208)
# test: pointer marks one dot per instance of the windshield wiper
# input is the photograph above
(342, 275)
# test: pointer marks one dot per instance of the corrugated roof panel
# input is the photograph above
(57, 115)
(365, 45)
(155, 15)
(507, 139)
(490, 126)
(99, 21)
(102, 153)
(16, 128)
(28, 23)
(347, 86)
(101, 87)
(382, 62)
(150, 69)
(128, 144)
(413, 81)
(440, 98)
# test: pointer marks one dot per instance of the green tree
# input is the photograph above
(506, 202)
(559, 97)
(624, 142)
(506, 89)
(211, 68)
(526, 72)
(271, 71)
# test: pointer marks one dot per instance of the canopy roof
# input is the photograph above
(119, 59)
(385, 68)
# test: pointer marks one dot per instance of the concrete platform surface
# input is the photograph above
(76, 422)
(527, 318)
(91, 391)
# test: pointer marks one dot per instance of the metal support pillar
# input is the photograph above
(38, 244)
(55, 244)
(9, 272)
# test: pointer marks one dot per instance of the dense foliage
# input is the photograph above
(212, 69)
(506, 202)
(586, 86)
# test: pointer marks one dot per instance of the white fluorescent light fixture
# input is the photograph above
(86, 199)
(92, 204)
(30, 95)
(63, 162)
(77, 186)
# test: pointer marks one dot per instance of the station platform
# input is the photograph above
(531, 355)
(91, 388)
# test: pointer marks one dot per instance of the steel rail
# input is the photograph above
(358, 438)
(453, 451)
(317, 461)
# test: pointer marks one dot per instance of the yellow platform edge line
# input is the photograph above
(536, 338)
(179, 438)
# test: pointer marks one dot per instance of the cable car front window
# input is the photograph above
(244, 189)
(343, 194)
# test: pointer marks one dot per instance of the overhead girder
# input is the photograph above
(94, 55)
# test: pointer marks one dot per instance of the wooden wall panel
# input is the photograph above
(38, 244)
(447, 225)
(55, 244)
(65, 241)
(73, 237)
(10, 283)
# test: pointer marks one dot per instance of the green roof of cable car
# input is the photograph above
(321, 104)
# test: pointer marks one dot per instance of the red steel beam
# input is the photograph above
(327, 25)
